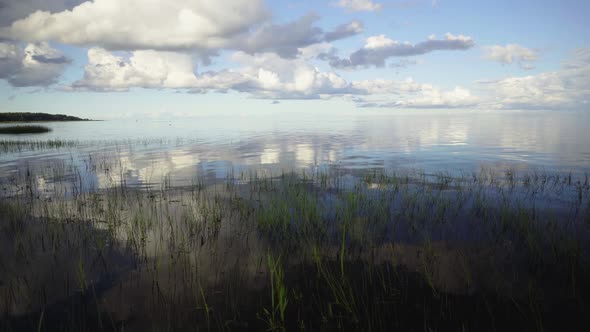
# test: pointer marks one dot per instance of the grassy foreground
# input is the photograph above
(17, 130)
(298, 251)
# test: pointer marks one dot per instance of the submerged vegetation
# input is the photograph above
(16, 130)
(304, 250)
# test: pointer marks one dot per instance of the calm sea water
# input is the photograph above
(147, 150)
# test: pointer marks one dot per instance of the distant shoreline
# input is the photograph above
(38, 117)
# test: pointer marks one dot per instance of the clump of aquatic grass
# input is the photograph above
(25, 129)
(11, 146)
(8, 146)
(275, 316)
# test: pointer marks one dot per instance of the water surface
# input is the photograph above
(141, 151)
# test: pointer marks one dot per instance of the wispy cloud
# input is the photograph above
(511, 53)
(359, 5)
(287, 39)
(378, 49)
(344, 31)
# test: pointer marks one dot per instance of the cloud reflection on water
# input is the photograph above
(209, 148)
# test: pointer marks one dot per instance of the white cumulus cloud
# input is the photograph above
(199, 26)
(511, 53)
(409, 94)
(270, 76)
(568, 87)
(147, 69)
(12, 10)
(143, 24)
(359, 5)
(38, 64)
(261, 75)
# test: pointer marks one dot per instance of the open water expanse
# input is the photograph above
(145, 151)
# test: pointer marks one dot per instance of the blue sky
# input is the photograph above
(129, 58)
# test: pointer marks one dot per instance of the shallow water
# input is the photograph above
(76, 256)
(141, 151)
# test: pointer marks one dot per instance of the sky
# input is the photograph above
(162, 58)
